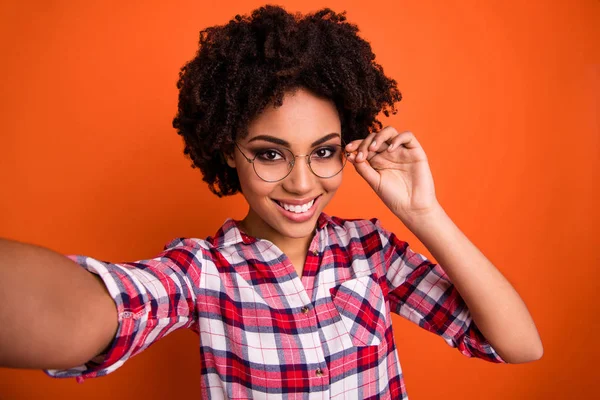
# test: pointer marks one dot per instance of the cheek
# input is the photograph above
(252, 186)
(332, 184)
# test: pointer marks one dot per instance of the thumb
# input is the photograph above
(365, 170)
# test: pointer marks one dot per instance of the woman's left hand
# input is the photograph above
(395, 166)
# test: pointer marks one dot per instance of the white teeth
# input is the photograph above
(298, 209)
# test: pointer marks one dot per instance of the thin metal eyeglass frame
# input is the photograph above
(293, 163)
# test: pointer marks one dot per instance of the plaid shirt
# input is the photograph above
(265, 332)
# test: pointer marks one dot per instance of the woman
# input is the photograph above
(288, 302)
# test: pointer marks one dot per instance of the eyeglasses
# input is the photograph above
(275, 164)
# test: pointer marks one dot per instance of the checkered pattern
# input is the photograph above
(267, 333)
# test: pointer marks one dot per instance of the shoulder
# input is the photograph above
(194, 250)
(226, 235)
(188, 243)
(369, 232)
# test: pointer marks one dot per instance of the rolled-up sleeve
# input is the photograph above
(421, 292)
(154, 297)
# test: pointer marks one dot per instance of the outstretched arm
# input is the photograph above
(53, 313)
(395, 166)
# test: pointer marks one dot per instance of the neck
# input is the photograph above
(291, 247)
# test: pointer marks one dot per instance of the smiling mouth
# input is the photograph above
(297, 209)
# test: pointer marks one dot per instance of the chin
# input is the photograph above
(295, 230)
(278, 223)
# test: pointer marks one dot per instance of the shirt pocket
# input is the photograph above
(361, 305)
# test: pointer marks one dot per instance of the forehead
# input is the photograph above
(302, 118)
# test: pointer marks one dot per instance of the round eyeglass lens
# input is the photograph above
(327, 161)
(274, 164)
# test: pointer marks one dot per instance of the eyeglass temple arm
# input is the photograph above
(245, 156)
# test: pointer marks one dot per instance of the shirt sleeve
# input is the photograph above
(421, 292)
(154, 297)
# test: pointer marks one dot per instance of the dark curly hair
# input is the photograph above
(252, 61)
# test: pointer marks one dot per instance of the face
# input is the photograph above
(303, 123)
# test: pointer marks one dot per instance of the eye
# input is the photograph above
(324, 152)
(269, 155)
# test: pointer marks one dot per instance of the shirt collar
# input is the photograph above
(230, 233)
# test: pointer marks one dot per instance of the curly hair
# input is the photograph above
(252, 61)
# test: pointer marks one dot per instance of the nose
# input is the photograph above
(300, 180)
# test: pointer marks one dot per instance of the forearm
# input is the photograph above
(53, 313)
(494, 304)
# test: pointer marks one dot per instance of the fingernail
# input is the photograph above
(373, 144)
(391, 147)
(359, 156)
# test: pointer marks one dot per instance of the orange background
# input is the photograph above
(503, 96)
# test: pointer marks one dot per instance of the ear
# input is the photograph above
(229, 159)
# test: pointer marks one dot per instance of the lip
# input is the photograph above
(297, 202)
(299, 217)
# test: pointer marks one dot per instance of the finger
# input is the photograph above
(365, 170)
(351, 149)
(405, 140)
(382, 139)
(363, 148)
(375, 143)
(353, 145)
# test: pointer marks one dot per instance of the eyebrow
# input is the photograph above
(276, 140)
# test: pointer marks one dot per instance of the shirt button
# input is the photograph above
(319, 372)
(304, 310)
(315, 252)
